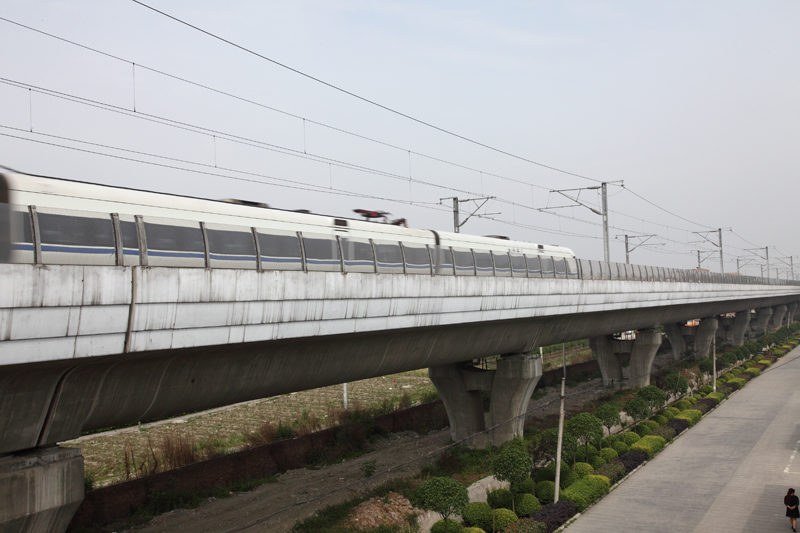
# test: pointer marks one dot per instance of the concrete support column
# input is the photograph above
(40, 490)
(778, 312)
(762, 319)
(740, 326)
(704, 335)
(512, 388)
(724, 334)
(674, 333)
(610, 366)
(464, 407)
(644, 351)
(791, 309)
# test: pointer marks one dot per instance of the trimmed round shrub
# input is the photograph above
(642, 430)
(620, 447)
(650, 445)
(691, 399)
(659, 420)
(739, 382)
(609, 454)
(526, 525)
(452, 527)
(736, 372)
(670, 412)
(721, 381)
(479, 514)
(652, 424)
(555, 515)
(728, 376)
(766, 362)
(474, 530)
(526, 504)
(568, 476)
(710, 402)
(700, 395)
(503, 518)
(665, 432)
(630, 460)
(583, 469)
(629, 437)
(546, 491)
(706, 389)
(753, 370)
(678, 424)
(692, 416)
(703, 408)
(526, 487)
(582, 457)
(499, 499)
(597, 462)
(682, 405)
(614, 471)
(716, 396)
(586, 491)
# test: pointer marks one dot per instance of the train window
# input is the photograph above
(560, 265)
(358, 255)
(483, 263)
(534, 266)
(443, 261)
(130, 240)
(548, 269)
(418, 260)
(76, 238)
(174, 243)
(20, 240)
(518, 268)
(502, 264)
(322, 253)
(280, 250)
(230, 247)
(572, 267)
(464, 261)
(389, 257)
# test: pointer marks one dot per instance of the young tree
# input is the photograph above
(608, 413)
(654, 397)
(676, 384)
(586, 427)
(445, 496)
(545, 450)
(637, 408)
(512, 464)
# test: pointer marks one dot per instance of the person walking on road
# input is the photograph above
(791, 501)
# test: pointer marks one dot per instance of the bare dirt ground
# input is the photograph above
(250, 511)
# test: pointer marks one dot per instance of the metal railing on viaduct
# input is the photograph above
(86, 347)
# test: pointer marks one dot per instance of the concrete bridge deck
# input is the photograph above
(729, 473)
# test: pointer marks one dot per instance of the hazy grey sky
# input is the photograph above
(695, 105)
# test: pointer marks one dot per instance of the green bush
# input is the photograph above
(642, 430)
(614, 471)
(728, 375)
(692, 400)
(738, 381)
(503, 518)
(692, 416)
(500, 499)
(478, 514)
(670, 412)
(581, 456)
(620, 447)
(706, 366)
(706, 389)
(735, 372)
(548, 472)
(753, 370)
(629, 437)
(652, 424)
(443, 495)
(717, 396)
(473, 530)
(526, 504)
(568, 477)
(609, 454)
(526, 525)
(766, 362)
(583, 469)
(526, 487)
(682, 405)
(451, 525)
(660, 420)
(650, 445)
(721, 381)
(546, 491)
(665, 432)
(586, 491)
(597, 462)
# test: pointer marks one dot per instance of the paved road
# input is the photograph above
(729, 473)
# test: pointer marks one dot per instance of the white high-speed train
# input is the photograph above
(46, 220)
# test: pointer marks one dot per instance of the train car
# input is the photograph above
(47, 220)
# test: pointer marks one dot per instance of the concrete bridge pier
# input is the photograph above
(610, 353)
(677, 341)
(703, 337)
(759, 327)
(778, 312)
(511, 386)
(791, 309)
(724, 333)
(741, 324)
(40, 489)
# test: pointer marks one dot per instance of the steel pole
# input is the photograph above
(767, 249)
(714, 357)
(721, 263)
(606, 253)
(456, 222)
(627, 254)
(561, 420)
